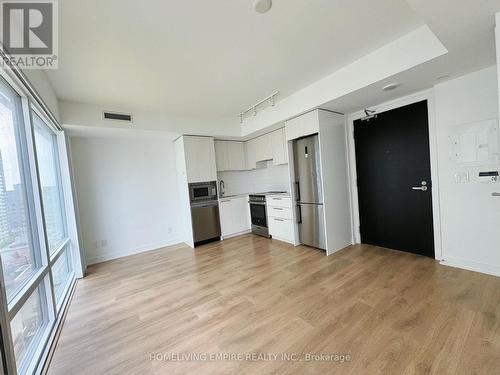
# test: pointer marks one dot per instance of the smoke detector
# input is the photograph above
(262, 6)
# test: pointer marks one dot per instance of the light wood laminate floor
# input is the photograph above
(392, 312)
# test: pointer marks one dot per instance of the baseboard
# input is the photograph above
(489, 269)
(236, 234)
(137, 250)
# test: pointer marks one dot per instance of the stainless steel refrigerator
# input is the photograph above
(309, 192)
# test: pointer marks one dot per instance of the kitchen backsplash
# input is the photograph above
(274, 177)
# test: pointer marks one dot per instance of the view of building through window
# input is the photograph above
(15, 249)
(53, 206)
(30, 247)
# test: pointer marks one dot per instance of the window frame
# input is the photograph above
(28, 184)
(35, 357)
(51, 128)
(37, 233)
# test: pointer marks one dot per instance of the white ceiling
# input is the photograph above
(467, 31)
(212, 58)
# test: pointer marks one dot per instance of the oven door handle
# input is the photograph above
(257, 203)
(205, 204)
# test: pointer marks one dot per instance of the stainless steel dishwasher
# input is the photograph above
(206, 222)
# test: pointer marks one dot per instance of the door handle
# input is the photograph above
(299, 214)
(495, 194)
(422, 187)
(297, 195)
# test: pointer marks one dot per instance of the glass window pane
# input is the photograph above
(28, 325)
(16, 245)
(50, 181)
(61, 271)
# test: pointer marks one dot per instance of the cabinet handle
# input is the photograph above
(277, 199)
(279, 219)
(277, 209)
(495, 194)
(228, 200)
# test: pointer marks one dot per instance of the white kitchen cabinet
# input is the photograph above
(302, 125)
(279, 200)
(280, 218)
(200, 159)
(264, 147)
(271, 146)
(279, 147)
(221, 156)
(281, 229)
(230, 156)
(236, 156)
(234, 216)
(251, 157)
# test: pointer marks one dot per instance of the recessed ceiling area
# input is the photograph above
(212, 58)
(470, 42)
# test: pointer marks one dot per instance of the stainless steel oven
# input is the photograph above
(258, 215)
(202, 191)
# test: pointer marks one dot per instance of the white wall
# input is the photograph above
(470, 216)
(127, 194)
(272, 178)
(497, 45)
(81, 117)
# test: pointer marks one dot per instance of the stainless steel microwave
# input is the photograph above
(202, 191)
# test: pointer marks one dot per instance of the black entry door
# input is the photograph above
(394, 180)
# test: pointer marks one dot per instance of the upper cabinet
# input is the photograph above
(279, 147)
(264, 148)
(302, 126)
(237, 156)
(230, 156)
(200, 159)
(251, 153)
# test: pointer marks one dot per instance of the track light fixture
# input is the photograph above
(271, 99)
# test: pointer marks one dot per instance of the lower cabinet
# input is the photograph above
(234, 216)
(281, 229)
(280, 218)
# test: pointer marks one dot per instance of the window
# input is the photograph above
(35, 249)
(50, 181)
(16, 246)
(61, 273)
(27, 326)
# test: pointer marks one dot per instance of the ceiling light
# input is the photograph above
(262, 6)
(391, 86)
